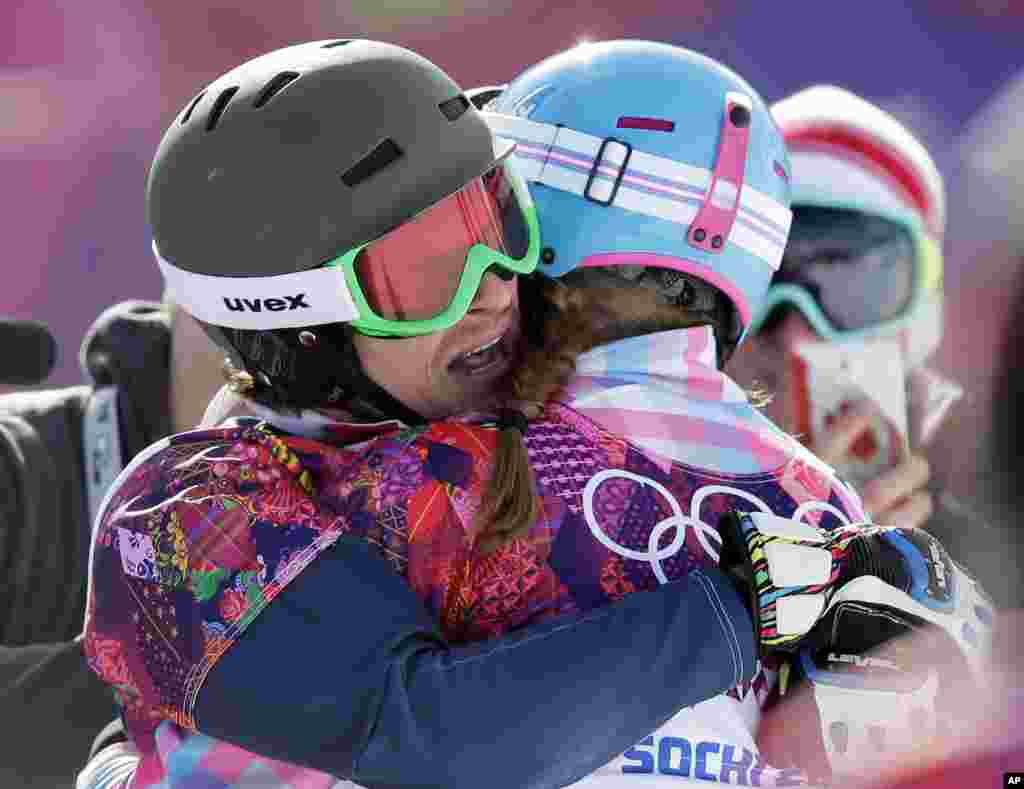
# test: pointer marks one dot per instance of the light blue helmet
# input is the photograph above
(641, 153)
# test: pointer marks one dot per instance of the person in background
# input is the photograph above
(864, 263)
(151, 372)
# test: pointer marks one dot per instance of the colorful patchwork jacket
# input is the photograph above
(205, 536)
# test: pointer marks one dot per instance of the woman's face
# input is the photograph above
(456, 370)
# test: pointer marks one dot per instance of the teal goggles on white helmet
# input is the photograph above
(852, 273)
(864, 257)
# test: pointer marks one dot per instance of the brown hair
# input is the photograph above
(576, 317)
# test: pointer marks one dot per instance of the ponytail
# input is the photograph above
(511, 505)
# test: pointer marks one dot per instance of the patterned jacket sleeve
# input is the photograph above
(366, 688)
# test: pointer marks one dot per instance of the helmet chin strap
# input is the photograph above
(338, 372)
(373, 403)
(331, 375)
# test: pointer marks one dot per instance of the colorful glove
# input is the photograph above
(855, 590)
(797, 576)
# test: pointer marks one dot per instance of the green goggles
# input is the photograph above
(424, 275)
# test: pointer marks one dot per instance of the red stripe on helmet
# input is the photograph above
(895, 166)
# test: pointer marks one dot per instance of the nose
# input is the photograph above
(495, 294)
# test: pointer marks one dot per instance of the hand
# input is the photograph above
(898, 497)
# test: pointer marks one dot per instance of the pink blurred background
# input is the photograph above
(87, 89)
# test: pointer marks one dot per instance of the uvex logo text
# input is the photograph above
(271, 305)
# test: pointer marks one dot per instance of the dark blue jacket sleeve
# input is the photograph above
(347, 673)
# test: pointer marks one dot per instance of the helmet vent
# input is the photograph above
(481, 97)
(453, 109)
(275, 86)
(387, 152)
(219, 107)
(191, 107)
(339, 43)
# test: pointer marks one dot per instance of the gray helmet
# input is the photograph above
(292, 158)
(298, 155)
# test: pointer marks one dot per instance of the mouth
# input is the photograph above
(492, 356)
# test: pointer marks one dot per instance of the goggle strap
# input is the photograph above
(284, 301)
(578, 163)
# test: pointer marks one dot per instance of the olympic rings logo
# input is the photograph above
(678, 520)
